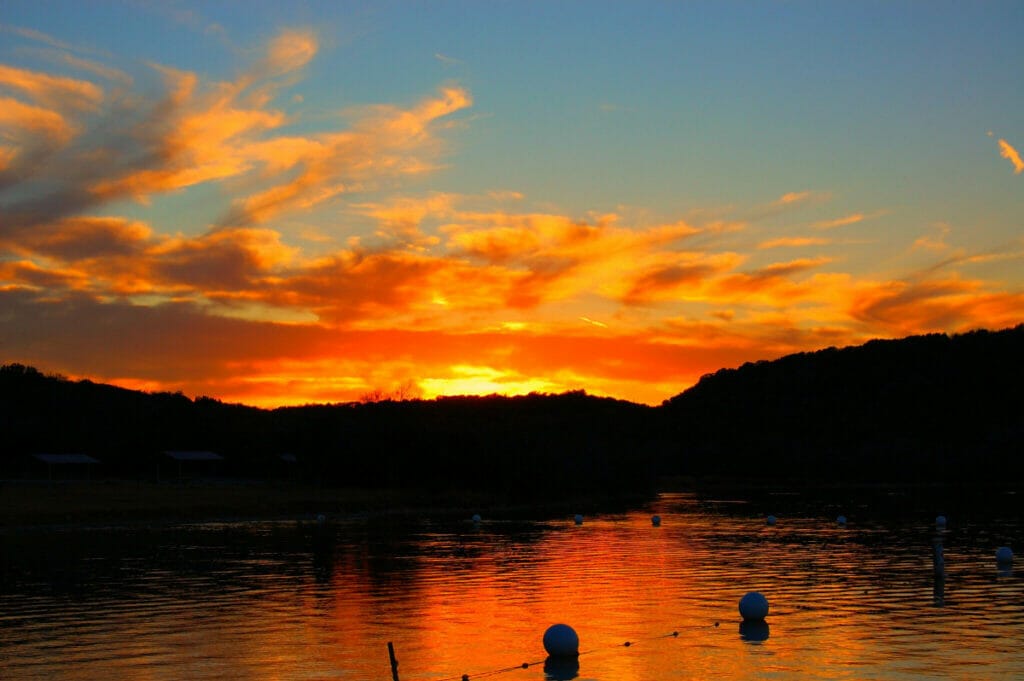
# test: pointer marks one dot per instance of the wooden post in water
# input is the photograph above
(394, 661)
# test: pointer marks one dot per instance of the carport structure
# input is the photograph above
(195, 459)
(66, 462)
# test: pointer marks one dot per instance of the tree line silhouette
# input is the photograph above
(924, 408)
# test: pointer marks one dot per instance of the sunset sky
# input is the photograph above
(284, 203)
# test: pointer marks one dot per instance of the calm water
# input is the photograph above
(291, 600)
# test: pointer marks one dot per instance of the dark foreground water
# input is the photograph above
(297, 600)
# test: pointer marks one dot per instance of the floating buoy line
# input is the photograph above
(561, 642)
(569, 659)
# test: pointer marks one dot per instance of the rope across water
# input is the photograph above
(526, 665)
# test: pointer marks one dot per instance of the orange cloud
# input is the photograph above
(556, 258)
(792, 242)
(933, 242)
(38, 121)
(96, 68)
(25, 273)
(206, 138)
(840, 222)
(80, 238)
(387, 142)
(346, 353)
(498, 244)
(225, 260)
(403, 219)
(771, 280)
(122, 257)
(531, 263)
(290, 51)
(794, 197)
(851, 219)
(523, 238)
(178, 347)
(196, 132)
(1009, 153)
(902, 307)
(684, 276)
(352, 287)
(53, 92)
(790, 201)
(7, 155)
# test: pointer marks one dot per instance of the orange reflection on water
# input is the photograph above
(304, 600)
(461, 598)
(615, 581)
(477, 599)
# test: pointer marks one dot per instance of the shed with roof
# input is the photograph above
(194, 461)
(68, 466)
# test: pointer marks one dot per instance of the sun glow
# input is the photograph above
(482, 380)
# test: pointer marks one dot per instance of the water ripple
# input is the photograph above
(299, 601)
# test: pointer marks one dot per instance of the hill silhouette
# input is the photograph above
(520, 446)
(924, 408)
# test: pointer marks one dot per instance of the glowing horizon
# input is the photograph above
(280, 210)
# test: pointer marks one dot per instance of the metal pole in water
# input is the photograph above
(394, 661)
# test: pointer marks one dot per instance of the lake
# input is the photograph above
(296, 599)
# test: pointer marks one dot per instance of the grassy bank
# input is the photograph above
(41, 503)
(120, 501)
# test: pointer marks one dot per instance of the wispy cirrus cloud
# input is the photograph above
(852, 219)
(446, 60)
(780, 284)
(1012, 155)
(46, 127)
(53, 92)
(79, 238)
(934, 305)
(935, 241)
(38, 36)
(385, 142)
(792, 198)
(792, 242)
(839, 222)
(109, 73)
(790, 201)
(192, 132)
(680, 277)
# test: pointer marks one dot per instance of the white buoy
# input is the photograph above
(560, 640)
(940, 521)
(578, 519)
(1004, 555)
(770, 520)
(476, 518)
(656, 520)
(841, 520)
(754, 606)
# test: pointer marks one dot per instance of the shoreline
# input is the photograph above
(41, 504)
(32, 505)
